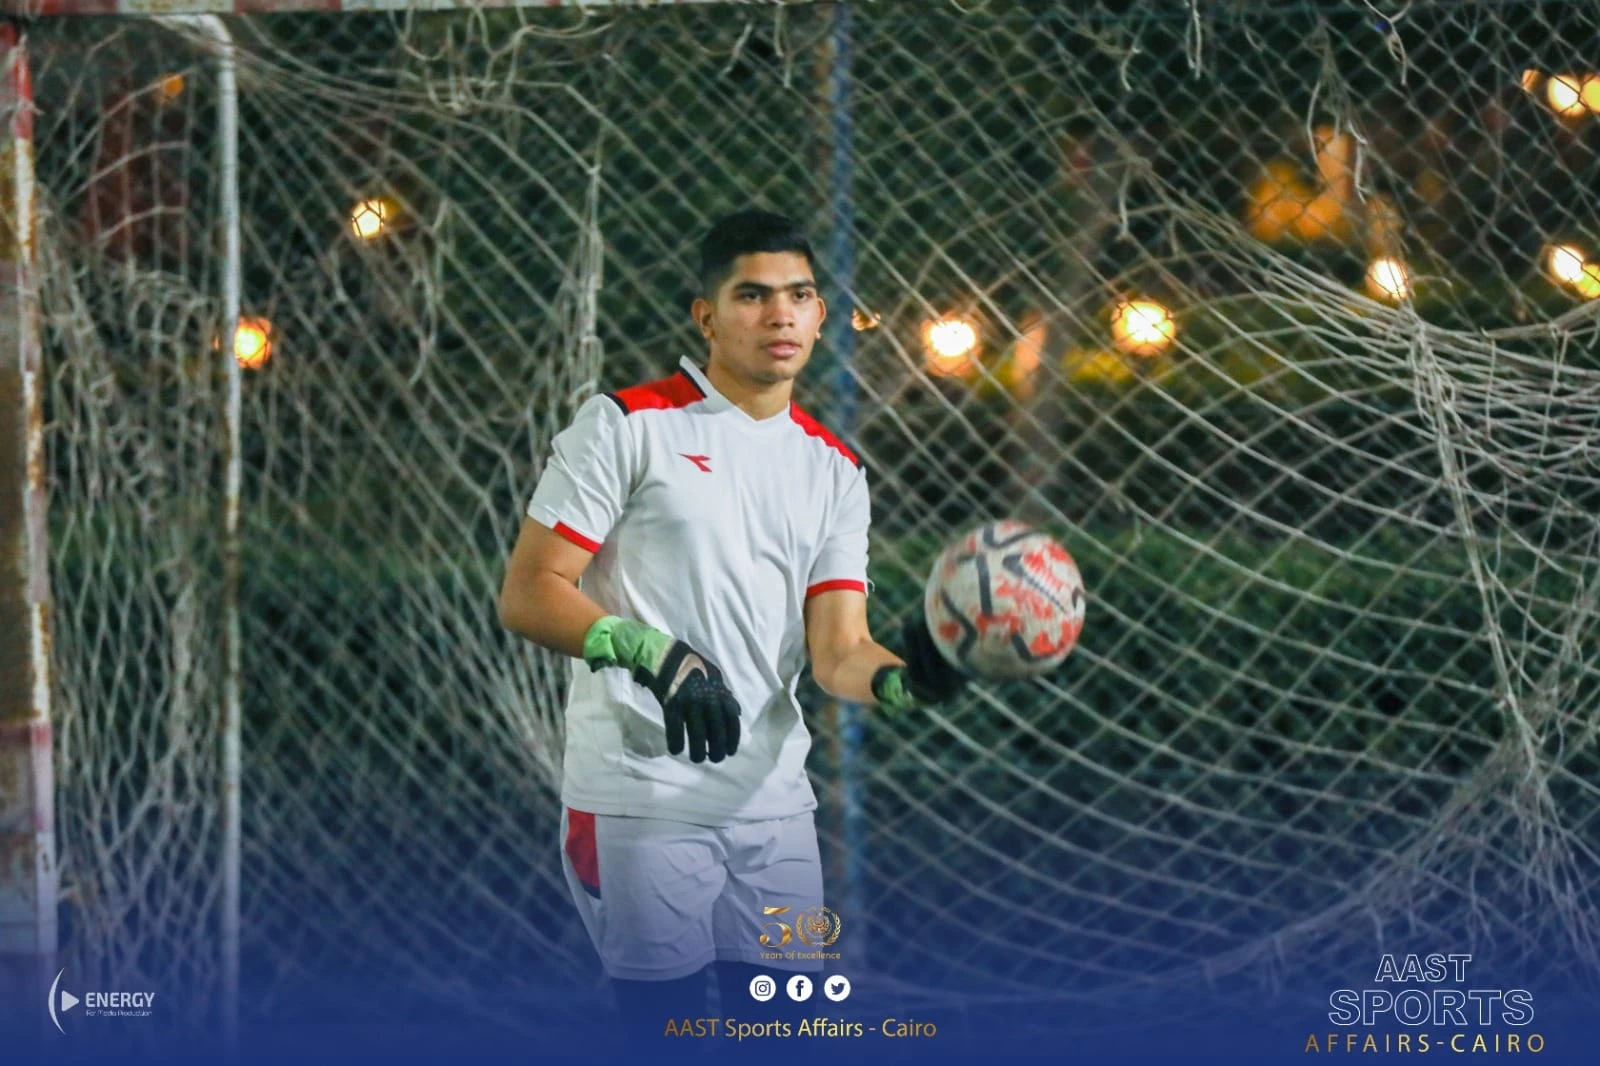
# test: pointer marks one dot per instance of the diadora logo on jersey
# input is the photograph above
(702, 461)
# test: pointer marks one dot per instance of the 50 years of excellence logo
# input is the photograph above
(815, 927)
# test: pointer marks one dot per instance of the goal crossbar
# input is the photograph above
(65, 8)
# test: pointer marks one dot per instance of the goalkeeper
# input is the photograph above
(693, 540)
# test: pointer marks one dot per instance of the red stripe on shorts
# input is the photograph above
(580, 850)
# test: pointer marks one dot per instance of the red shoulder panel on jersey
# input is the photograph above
(813, 428)
(679, 390)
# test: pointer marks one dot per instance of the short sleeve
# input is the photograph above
(589, 476)
(842, 563)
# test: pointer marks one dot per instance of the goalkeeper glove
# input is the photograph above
(926, 677)
(694, 699)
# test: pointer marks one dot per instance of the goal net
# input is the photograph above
(1283, 320)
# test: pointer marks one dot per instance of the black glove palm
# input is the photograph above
(927, 677)
(695, 702)
(930, 677)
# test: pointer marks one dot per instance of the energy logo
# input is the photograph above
(68, 1001)
(97, 1004)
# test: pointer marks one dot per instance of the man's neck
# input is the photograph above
(759, 401)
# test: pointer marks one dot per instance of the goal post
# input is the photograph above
(1280, 317)
(27, 822)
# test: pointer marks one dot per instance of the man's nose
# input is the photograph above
(780, 311)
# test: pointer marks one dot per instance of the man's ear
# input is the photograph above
(701, 311)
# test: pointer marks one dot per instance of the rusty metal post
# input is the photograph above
(28, 877)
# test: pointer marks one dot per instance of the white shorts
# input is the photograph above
(662, 899)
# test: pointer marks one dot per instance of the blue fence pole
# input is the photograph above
(841, 263)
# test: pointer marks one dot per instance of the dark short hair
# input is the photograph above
(745, 233)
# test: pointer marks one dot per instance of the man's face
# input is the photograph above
(765, 317)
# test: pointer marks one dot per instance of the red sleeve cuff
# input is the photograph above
(836, 585)
(577, 538)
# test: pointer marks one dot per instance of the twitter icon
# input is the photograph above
(836, 987)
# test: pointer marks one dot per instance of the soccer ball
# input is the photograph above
(1005, 601)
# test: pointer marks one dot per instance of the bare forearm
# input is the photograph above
(849, 676)
(551, 612)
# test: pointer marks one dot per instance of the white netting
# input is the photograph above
(1339, 670)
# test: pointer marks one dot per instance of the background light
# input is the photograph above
(369, 219)
(1564, 94)
(862, 320)
(1565, 262)
(950, 342)
(171, 87)
(1029, 352)
(1589, 93)
(1389, 279)
(1569, 265)
(1142, 327)
(1530, 80)
(252, 343)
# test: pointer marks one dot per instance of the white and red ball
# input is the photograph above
(1005, 601)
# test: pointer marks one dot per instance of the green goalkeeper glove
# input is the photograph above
(927, 676)
(694, 699)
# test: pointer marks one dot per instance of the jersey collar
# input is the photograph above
(719, 403)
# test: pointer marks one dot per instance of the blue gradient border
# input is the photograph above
(1193, 1026)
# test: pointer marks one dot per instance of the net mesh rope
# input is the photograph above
(1337, 519)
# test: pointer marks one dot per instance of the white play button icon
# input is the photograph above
(68, 1000)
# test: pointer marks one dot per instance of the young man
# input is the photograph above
(720, 535)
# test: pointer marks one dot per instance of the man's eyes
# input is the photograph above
(753, 294)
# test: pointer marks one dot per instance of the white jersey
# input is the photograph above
(715, 527)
